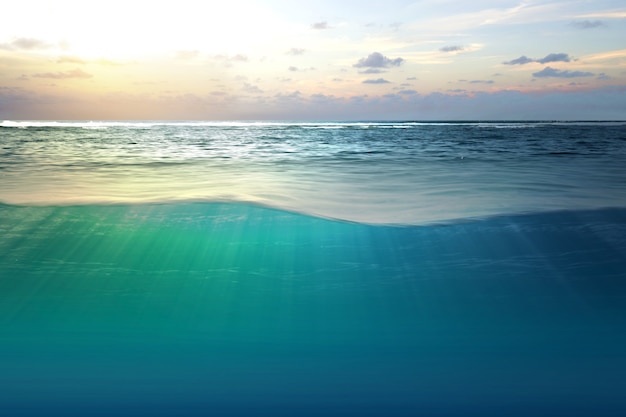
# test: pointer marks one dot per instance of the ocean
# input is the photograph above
(312, 269)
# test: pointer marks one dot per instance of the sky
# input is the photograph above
(322, 60)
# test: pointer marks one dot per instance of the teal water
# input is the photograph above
(234, 309)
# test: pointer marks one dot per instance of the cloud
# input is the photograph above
(407, 92)
(523, 60)
(452, 48)
(377, 60)
(554, 58)
(555, 73)
(571, 103)
(372, 71)
(477, 81)
(288, 98)
(296, 69)
(187, 55)
(70, 60)
(589, 24)
(76, 73)
(320, 25)
(66, 59)
(27, 44)
(229, 60)
(376, 81)
(296, 51)
(238, 58)
(252, 89)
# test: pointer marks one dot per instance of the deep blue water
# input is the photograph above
(321, 269)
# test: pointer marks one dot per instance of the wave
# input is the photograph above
(24, 124)
(210, 207)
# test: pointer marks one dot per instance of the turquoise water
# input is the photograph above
(195, 306)
(230, 309)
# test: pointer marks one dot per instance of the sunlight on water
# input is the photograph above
(367, 172)
(232, 309)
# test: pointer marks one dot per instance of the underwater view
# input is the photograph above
(312, 269)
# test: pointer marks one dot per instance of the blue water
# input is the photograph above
(349, 269)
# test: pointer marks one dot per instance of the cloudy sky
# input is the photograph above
(327, 59)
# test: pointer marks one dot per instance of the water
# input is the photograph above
(402, 173)
(350, 269)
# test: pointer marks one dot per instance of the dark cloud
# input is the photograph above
(27, 44)
(603, 76)
(554, 57)
(376, 81)
(549, 72)
(407, 92)
(411, 78)
(452, 48)
(293, 69)
(296, 51)
(378, 60)
(481, 82)
(320, 25)
(519, 61)
(589, 24)
(76, 73)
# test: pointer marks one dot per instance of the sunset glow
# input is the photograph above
(279, 60)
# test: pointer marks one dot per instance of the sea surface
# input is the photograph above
(312, 269)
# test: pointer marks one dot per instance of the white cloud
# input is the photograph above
(75, 73)
(25, 44)
(296, 51)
